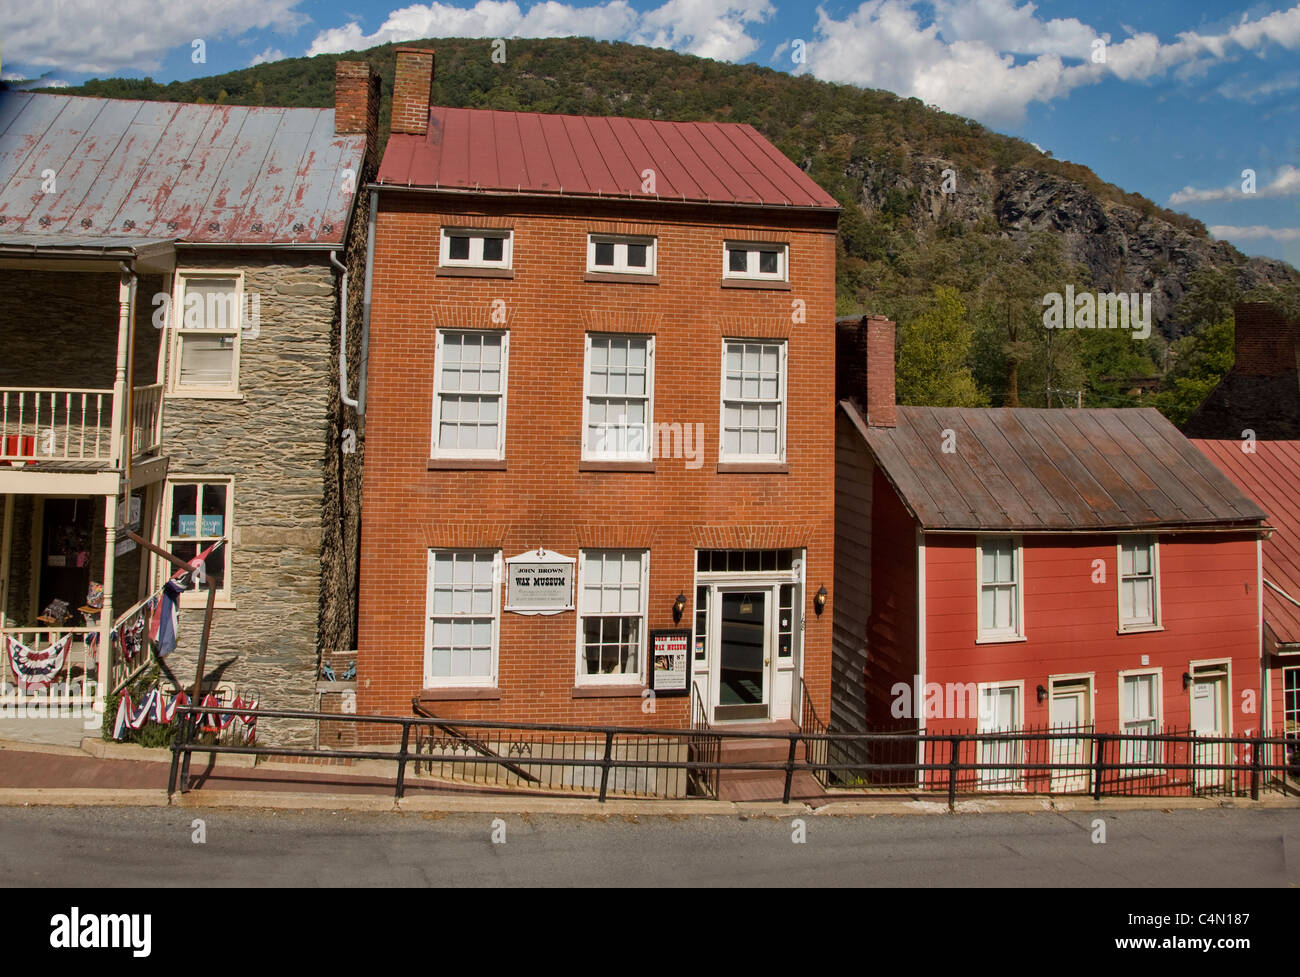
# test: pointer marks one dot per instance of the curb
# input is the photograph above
(82, 797)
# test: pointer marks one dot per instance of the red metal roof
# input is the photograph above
(1271, 475)
(211, 174)
(1022, 469)
(480, 149)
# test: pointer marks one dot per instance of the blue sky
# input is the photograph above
(1170, 99)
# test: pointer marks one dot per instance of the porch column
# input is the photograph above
(6, 558)
(106, 615)
(121, 381)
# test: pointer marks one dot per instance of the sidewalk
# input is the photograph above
(101, 773)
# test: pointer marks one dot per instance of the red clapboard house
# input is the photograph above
(597, 408)
(1014, 568)
(1270, 472)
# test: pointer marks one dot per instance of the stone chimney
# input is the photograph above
(864, 349)
(356, 103)
(412, 89)
(1265, 340)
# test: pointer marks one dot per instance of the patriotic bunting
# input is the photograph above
(155, 708)
(33, 669)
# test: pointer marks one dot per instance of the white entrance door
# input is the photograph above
(999, 713)
(743, 646)
(1209, 718)
(1069, 711)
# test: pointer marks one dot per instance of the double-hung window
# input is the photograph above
(1138, 583)
(753, 401)
(1001, 604)
(473, 248)
(463, 617)
(469, 402)
(620, 385)
(621, 254)
(208, 318)
(1139, 708)
(612, 616)
(759, 262)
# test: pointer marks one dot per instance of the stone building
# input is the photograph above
(174, 277)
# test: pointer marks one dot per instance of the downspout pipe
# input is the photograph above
(365, 299)
(343, 331)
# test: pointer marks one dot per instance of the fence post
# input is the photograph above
(186, 733)
(401, 759)
(177, 740)
(604, 767)
(954, 753)
(789, 767)
(1255, 747)
(1099, 764)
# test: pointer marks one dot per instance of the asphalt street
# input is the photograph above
(49, 846)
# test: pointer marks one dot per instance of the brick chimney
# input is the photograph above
(356, 102)
(1265, 340)
(864, 351)
(412, 89)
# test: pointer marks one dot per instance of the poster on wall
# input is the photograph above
(539, 582)
(670, 661)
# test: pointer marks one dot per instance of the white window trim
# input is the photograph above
(461, 681)
(581, 678)
(648, 453)
(1018, 724)
(783, 382)
(496, 454)
(476, 236)
(620, 266)
(1139, 626)
(175, 344)
(165, 570)
(1019, 633)
(1158, 750)
(752, 273)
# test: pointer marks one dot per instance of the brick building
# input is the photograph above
(600, 405)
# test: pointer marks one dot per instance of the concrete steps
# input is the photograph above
(763, 785)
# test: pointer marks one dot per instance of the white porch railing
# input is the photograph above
(73, 424)
(133, 625)
(73, 684)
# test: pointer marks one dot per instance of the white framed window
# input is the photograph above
(1000, 562)
(469, 394)
(1139, 715)
(1139, 583)
(619, 401)
(759, 261)
(612, 587)
(621, 254)
(753, 401)
(198, 512)
(464, 618)
(208, 320)
(1001, 710)
(468, 247)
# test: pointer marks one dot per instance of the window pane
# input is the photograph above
(767, 262)
(184, 504)
(604, 253)
(636, 255)
(737, 260)
(458, 247)
(207, 361)
(494, 248)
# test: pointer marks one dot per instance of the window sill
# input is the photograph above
(753, 467)
(616, 466)
(466, 465)
(202, 395)
(618, 276)
(453, 693)
(1140, 629)
(772, 284)
(1000, 639)
(470, 271)
(608, 691)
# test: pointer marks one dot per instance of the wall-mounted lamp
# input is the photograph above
(819, 600)
(1187, 680)
(1042, 694)
(679, 608)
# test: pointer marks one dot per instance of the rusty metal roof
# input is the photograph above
(524, 152)
(200, 174)
(1025, 469)
(1271, 476)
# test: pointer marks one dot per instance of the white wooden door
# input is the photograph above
(1000, 712)
(1209, 719)
(1068, 710)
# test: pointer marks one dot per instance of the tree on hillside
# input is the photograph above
(1201, 360)
(932, 355)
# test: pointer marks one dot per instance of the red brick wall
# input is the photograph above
(542, 498)
(412, 82)
(1265, 340)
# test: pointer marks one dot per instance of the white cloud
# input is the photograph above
(709, 28)
(98, 37)
(1285, 184)
(1256, 232)
(270, 54)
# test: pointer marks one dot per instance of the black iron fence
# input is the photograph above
(650, 762)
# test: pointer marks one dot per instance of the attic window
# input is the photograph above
(474, 248)
(621, 255)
